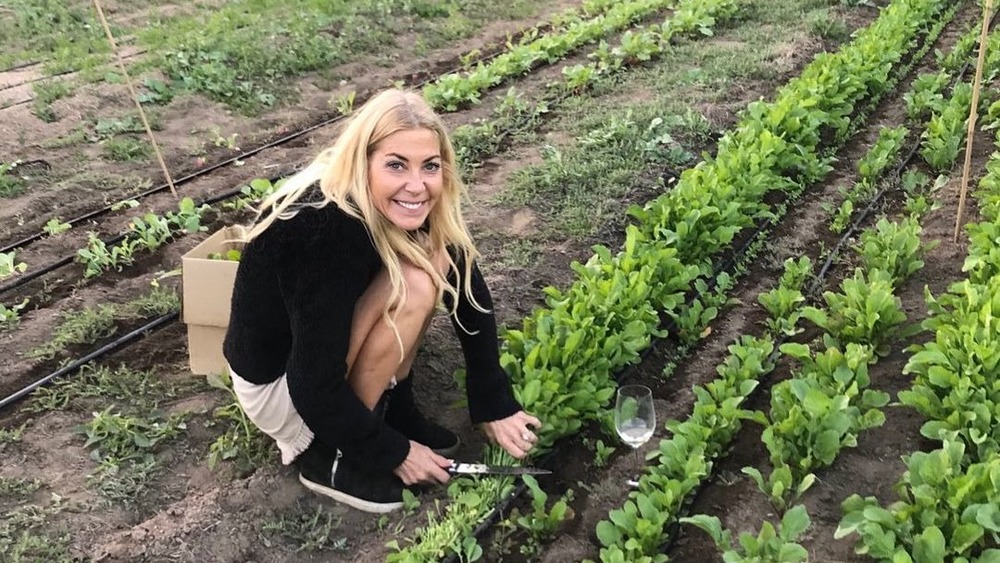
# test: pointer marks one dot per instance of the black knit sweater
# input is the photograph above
(292, 307)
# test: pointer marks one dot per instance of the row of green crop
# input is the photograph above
(945, 133)
(690, 18)
(827, 402)
(563, 359)
(949, 507)
(451, 91)
(633, 533)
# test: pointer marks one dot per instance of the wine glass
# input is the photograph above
(635, 418)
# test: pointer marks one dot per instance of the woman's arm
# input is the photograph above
(487, 385)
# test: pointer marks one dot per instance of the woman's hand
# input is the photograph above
(514, 433)
(422, 465)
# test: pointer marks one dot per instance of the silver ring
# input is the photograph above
(526, 437)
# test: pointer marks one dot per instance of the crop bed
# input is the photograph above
(687, 194)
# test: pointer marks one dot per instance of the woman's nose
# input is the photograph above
(415, 183)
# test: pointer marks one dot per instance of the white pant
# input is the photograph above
(270, 408)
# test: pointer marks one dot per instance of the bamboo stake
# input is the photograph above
(135, 97)
(973, 114)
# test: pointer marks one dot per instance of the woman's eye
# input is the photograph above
(432, 166)
(395, 165)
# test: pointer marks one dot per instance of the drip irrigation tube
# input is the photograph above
(80, 362)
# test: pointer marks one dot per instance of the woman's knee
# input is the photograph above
(421, 291)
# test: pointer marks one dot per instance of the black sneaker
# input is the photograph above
(401, 412)
(326, 472)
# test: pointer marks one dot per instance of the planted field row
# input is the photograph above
(646, 527)
(948, 507)
(827, 402)
(602, 324)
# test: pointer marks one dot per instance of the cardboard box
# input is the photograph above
(207, 292)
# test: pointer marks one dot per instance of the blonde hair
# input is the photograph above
(342, 173)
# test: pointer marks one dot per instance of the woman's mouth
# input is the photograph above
(411, 205)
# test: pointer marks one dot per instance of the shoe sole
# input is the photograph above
(360, 504)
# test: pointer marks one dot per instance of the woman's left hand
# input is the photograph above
(514, 433)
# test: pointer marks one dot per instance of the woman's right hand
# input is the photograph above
(422, 465)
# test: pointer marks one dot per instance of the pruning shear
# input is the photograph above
(483, 469)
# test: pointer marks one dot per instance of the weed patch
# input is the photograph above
(24, 538)
(13, 487)
(581, 187)
(144, 390)
(124, 447)
(89, 325)
(309, 531)
(125, 149)
(11, 183)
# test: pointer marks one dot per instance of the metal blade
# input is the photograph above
(482, 469)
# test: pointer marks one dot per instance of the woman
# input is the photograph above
(337, 285)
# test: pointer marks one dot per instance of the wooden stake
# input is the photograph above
(135, 97)
(973, 114)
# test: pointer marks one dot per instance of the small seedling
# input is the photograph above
(9, 265)
(55, 226)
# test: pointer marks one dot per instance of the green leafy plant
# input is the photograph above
(157, 92)
(241, 443)
(344, 103)
(188, 216)
(10, 316)
(893, 247)
(126, 149)
(9, 265)
(882, 153)
(780, 486)
(822, 408)
(11, 184)
(543, 521)
(772, 544)
(783, 306)
(114, 437)
(602, 453)
(955, 373)
(926, 95)
(866, 311)
(55, 226)
(946, 512)
(97, 258)
(945, 131)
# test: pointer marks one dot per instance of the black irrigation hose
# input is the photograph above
(26, 82)
(20, 66)
(80, 362)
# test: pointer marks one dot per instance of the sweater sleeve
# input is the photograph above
(487, 385)
(320, 283)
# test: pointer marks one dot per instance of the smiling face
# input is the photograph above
(405, 176)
